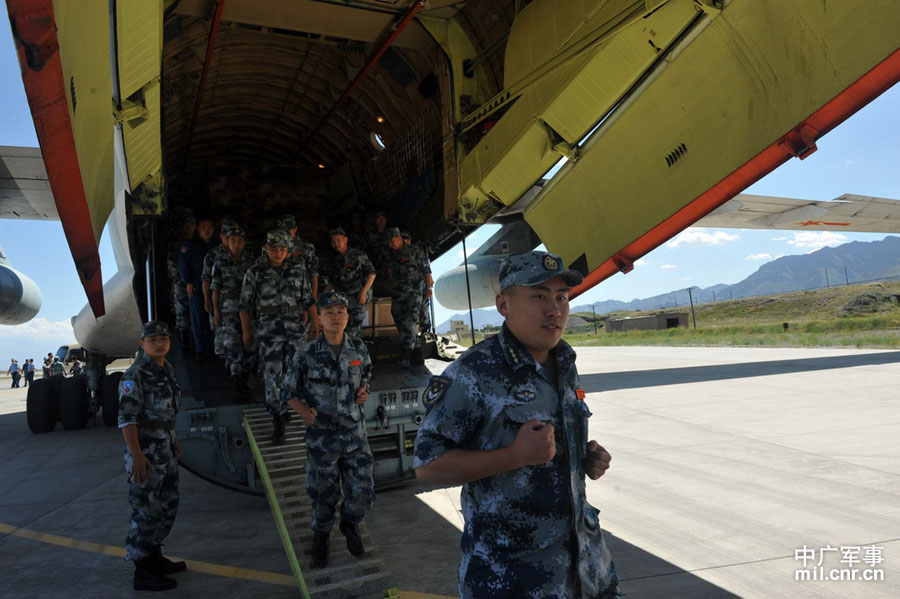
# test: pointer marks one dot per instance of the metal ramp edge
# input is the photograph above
(283, 474)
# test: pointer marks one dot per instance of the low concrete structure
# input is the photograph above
(653, 322)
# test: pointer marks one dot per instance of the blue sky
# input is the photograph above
(861, 156)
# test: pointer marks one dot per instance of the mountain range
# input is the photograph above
(854, 262)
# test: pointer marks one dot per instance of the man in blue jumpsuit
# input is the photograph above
(190, 267)
(509, 421)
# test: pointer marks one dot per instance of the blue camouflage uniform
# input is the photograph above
(348, 276)
(57, 367)
(338, 453)
(212, 258)
(276, 297)
(227, 279)
(148, 397)
(408, 267)
(529, 532)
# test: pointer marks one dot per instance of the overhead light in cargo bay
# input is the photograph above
(321, 165)
(380, 118)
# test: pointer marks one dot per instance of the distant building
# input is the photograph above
(654, 322)
(459, 327)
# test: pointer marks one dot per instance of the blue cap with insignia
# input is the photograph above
(534, 268)
(392, 232)
(331, 298)
(278, 239)
(155, 327)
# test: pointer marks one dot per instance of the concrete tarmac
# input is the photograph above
(730, 466)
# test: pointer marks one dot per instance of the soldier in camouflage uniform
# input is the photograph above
(327, 385)
(57, 367)
(278, 296)
(148, 401)
(187, 228)
(508, 420)
(76, 368)
(303, 252)
(227, 280)
(352, 276)
(377, 245)
(212, 257)
(425, 312)
(411, 273)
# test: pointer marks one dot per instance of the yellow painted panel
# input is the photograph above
(142, 141)
(752, 75)
(83, 33)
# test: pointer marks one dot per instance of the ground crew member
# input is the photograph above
(508, 421)
(57, 367)
(13, 373)
(303, 252)
(327, 385)
(29, 371)
(278, 297)
(227, 279)
(209, 262)
(190, 266)
(47, 362)
(411, 273)
(186, 228)
(352, 276)
(148, 401)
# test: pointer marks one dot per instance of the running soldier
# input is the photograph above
(278, 297)
(148, 402)
(327, 385)
(352, 276)
(227, 279)
(411, 273)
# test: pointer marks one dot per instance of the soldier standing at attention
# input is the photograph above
(212, 257)
(278, 295)
(227, 279)
(303, 252)
(327, 385)
(190, 266)
(148, 401)
(508, 420)
(411, 273)
(352, 276)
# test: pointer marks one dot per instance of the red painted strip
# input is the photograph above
(861, 92)
(34, 30)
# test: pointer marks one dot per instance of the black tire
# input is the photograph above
(40, 406)
(73, 408)
(56, 380)
(109, 389)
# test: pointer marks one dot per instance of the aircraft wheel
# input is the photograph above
(56, 380)
(40, 406)
(110, 396)
(73, 409)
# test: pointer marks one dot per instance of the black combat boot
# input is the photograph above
(320, 549)
(278, 430)
(354, 541)
(146, 579)
(416, 357)
(164, 565)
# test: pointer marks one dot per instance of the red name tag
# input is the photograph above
(358, 363)
(579, 393)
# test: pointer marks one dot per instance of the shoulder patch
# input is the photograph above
(579, 393)
(127, 387)
(435, 390)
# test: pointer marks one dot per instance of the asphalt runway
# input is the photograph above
(735, 472)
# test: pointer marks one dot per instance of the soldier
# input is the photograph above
(187, 227)
(29, 371)
(209, 262)
(425, 312)
(57, 367)
(76, 368)
(278, 295)
(227, 279)
(327, 385)
(47, 362)
(411, 274)
(190, 266)
(377, 249)
(148, 401)
(508, 421)
(303, 252)
(352, 276)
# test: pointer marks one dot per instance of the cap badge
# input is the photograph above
(550, 263)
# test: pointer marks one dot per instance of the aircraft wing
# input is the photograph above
(24, 187)
(849, 212)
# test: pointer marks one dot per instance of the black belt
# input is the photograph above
(156, 424)
(279, 309)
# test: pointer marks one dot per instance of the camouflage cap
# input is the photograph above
(277, 238)
(406, 235)
(286, 222)
(332, 298)
(336, 231)
(392, 232)
(155, 327)
(235, 230)
(534, 268)
(228, 225)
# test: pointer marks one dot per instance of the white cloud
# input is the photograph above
(668, 266)
(815, 241)
(685, 278)
(38, 328)
(34, 338)
(779, 239)
(641, 262)
(700, 236)
(759, 257)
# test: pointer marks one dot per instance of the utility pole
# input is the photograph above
(847, 275)
(827, 284)
(595, 318)
(694, 314)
